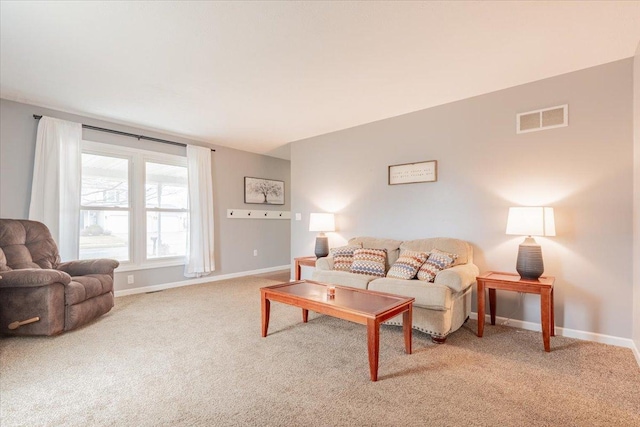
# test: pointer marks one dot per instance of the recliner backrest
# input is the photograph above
(26, 244)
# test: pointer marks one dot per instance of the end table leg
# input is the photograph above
(492, 305)
(407, 317)
(545, 316)
(553, 316)
(480, 308)
(373, 341)
(266, 306)
(305, 315)
(298, 270)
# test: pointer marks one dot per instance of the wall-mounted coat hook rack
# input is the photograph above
(257, 214)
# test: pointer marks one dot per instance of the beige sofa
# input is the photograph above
(441, 307)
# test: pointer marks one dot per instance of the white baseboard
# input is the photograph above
(566, 332)
(636, 352)
(189, 282)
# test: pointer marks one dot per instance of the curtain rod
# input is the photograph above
(132, 135)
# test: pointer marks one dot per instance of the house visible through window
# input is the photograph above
(134, 205)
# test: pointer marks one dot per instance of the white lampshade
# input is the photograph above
(531, 221)
(322, 222)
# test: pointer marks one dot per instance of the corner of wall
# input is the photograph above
(636, 204)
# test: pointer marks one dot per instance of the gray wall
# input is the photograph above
(235, 240)
(636, 203)
(584, 171)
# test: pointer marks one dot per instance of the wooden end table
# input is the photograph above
(361, 306)
(512, 282)
(307, 261)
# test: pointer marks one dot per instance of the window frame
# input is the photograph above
(137, 202)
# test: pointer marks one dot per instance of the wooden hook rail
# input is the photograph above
(257, 214)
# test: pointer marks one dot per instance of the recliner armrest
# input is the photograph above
(459, 277)
(33, 277)
(89, 266)
(325, 263)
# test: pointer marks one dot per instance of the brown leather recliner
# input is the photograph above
(39, 295)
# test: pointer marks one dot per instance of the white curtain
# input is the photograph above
(200, 255)
(55, 191)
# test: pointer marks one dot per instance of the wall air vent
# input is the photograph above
(547, 118)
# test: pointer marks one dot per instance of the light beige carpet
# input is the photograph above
(193, 356)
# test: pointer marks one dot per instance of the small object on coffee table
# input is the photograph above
(331, 291)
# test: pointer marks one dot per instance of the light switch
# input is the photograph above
(298, 217)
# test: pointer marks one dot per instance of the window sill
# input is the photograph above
(150, 265)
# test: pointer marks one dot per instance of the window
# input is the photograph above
(104, 208)
(134, 206)
(166, 198)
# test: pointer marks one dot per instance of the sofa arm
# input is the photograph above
(325, 263)
(89, 266)
(33, 277)
(458, 278)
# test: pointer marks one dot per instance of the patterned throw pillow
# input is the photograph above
(343, 257)
(437, 261)
(407, 265)
(371, 262)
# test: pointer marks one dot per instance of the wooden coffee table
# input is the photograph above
(357, 305)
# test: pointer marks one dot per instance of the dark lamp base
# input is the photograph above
(529, 264)
(322, 246)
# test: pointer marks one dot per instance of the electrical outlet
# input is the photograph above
(130, 279)
(255, 252)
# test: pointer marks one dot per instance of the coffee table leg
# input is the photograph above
(406, 327)
(305, 315)
(373, 339)
(266, 305)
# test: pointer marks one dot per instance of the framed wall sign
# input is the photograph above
(263, 191)
(410, 173)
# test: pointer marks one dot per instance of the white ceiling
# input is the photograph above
(257, 75)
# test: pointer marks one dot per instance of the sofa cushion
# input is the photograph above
(437, 261)
(392, 247)
(369, 261)
(343, 278)
(455, 246)
(343, 257)
(406, 267)
(428, 295)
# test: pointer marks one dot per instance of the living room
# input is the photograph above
(588, 172)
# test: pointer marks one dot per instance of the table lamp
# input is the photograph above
(530, 221)
(322, 222)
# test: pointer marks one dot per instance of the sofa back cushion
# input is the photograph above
(392, 247)
(455, 246)
(26, 244)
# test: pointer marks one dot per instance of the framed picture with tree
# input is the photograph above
(263, 191)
